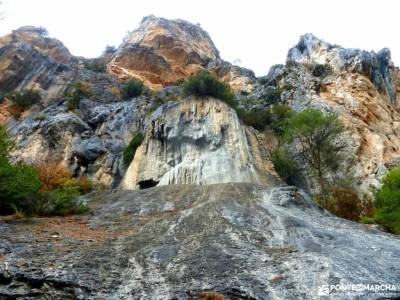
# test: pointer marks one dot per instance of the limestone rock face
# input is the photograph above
(161, 52)
(35, 37)
(89, 144)
(173, 242)
(363, 88)
(199, 141)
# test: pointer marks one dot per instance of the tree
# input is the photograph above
(318, 143)
(387, 202)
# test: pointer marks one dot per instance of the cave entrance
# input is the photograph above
(145, 184)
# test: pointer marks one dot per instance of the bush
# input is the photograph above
(273, 94)
(285, 166)
(344, 203)
(25, 98)
(19, 185)
(129, 152)
(321, 70)
(387, 202)
(211, 296)
(204, 84)
(256, 118)
(280, 116)
(94, 65)
(22, 191)
(80, 91)
(61, 202)
(133, 88)
(109, 49)
(6, 144)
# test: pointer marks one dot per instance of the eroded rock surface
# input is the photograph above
(199, 141)
(161, 52)
(362, 87)
(173, 242)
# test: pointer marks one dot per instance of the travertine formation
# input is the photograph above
(162, 52)
(199, 141)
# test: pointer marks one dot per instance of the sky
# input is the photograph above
(255, 34)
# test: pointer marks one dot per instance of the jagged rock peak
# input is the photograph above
(377, 67)
(36, 37)
(161, 52)
(159, 33)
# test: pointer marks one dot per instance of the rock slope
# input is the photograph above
(241, 240)
(199, 141)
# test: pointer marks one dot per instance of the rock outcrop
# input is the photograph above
(362, 87)
(174, 242)
(199, 141)
(162, 52)
(90, 143)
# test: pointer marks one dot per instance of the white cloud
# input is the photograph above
(259, 33)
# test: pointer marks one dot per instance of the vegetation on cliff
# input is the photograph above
(36, 190)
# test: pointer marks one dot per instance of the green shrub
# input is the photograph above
(133, 88)
(129, 152)
(280, 116)
(273, 94)
(321, 70)
(263, 80)
(285, 166)
(40, 117)
(387, 202)
(94, 65)
(61, 202)
(25, 98)
(19, 185)
(80, 91)
(256, 118)
(204, 84)
(6, 144)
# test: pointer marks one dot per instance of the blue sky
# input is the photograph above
(257, 33)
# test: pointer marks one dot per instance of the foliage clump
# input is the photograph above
(25, 98)
(94, 65)
(36, 190)
(285, 166)
(132, 88)
(129, 152)
(387, 202)
(80, 91)
(321, 70)
(204, 84)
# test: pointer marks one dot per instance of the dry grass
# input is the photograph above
(211, 296)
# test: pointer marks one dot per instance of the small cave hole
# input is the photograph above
(145, 184)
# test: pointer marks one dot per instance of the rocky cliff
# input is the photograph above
(173, 242)
(199, 141)
(362, 87)
(220, 218)
(162, 52)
